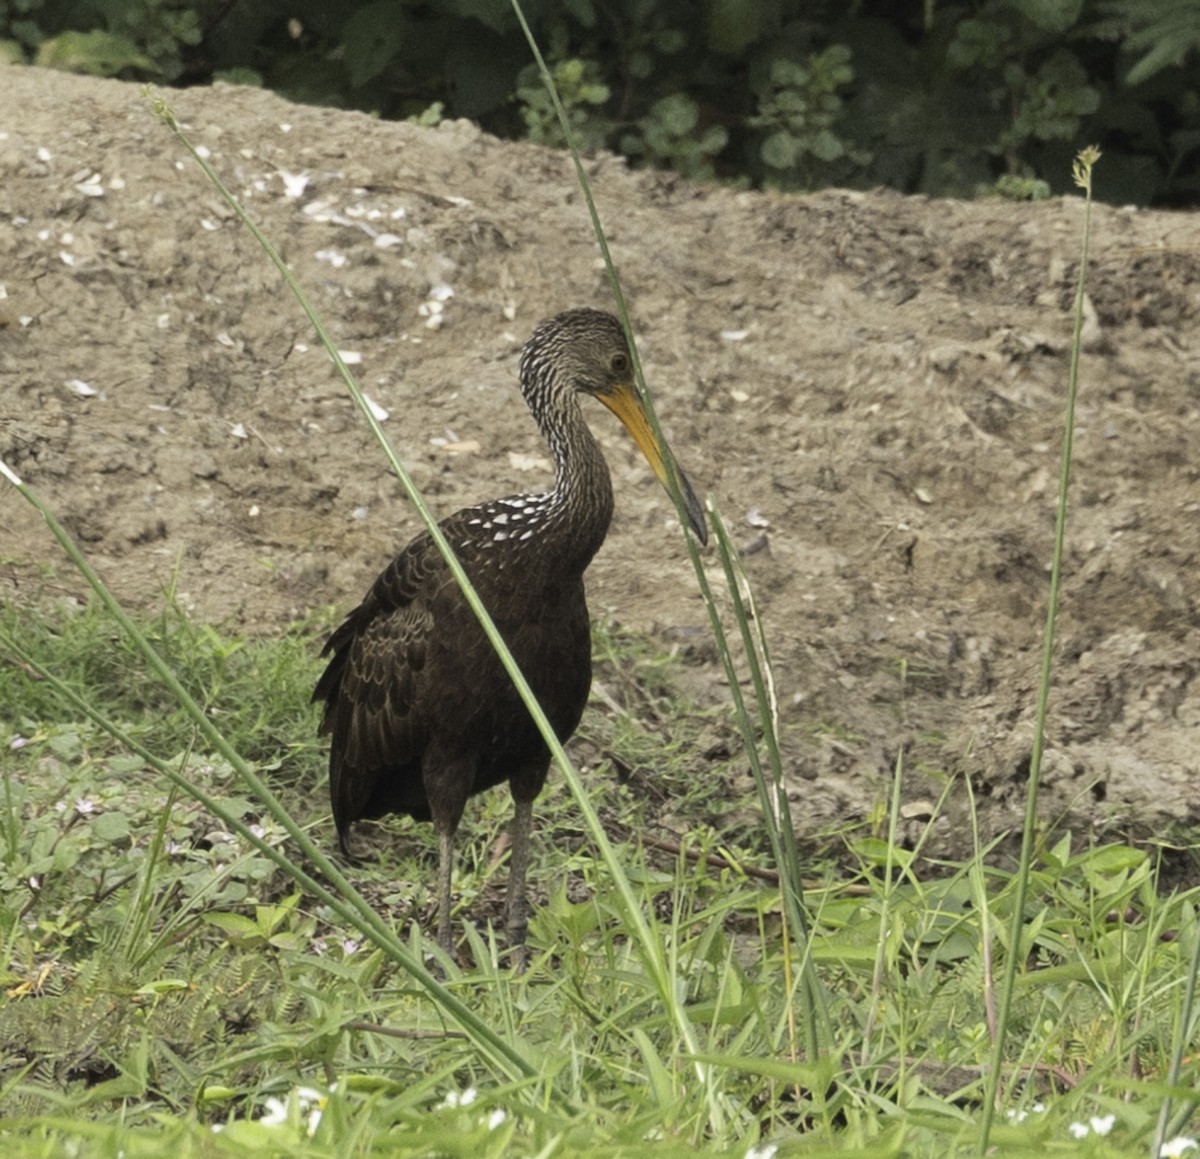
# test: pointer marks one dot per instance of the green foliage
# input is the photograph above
(670, 135)
(949, 100)
(1164, 32)
(108, 37)
(257, 690)
(799, 109)
(99, 53)
(580, 90)
(158, 973)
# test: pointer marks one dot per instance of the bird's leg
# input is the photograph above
(447, 781)
(445, 868)
(518, 864)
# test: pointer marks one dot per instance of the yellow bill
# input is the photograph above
(624, 402)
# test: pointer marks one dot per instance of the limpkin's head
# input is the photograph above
(584, 352)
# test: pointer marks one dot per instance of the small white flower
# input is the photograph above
(458, 1099)
(18, 742)
(85, 805)
(311, 1103)
(496, 1118)
(349, 946)
(1102, 1124)
(766, 1151)
(1177, 1147)
(275, 1114)
(1078, 1130)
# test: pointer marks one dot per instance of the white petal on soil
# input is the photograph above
(380, 415)
(81, 388)
(734, 335)
(294, 184)
(350, 357)
(335, 258)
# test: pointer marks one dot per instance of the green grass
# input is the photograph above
(256, 690)
(161, 977)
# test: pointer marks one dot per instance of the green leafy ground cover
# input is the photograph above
(166, 987)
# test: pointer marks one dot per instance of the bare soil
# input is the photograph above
(872, 386)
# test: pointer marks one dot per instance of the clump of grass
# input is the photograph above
(257, 688)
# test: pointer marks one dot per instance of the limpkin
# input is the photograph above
(421, 713)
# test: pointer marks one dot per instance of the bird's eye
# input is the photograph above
(620, 364)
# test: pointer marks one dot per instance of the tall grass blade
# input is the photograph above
(773, 801)
(1084, 164)
(772, 793)
(1183, 1039)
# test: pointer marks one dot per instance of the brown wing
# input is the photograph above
(371, 693)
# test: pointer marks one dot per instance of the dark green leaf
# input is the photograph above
(372, 37)
(111, 826)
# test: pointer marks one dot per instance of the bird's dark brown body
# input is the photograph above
(420, 710)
